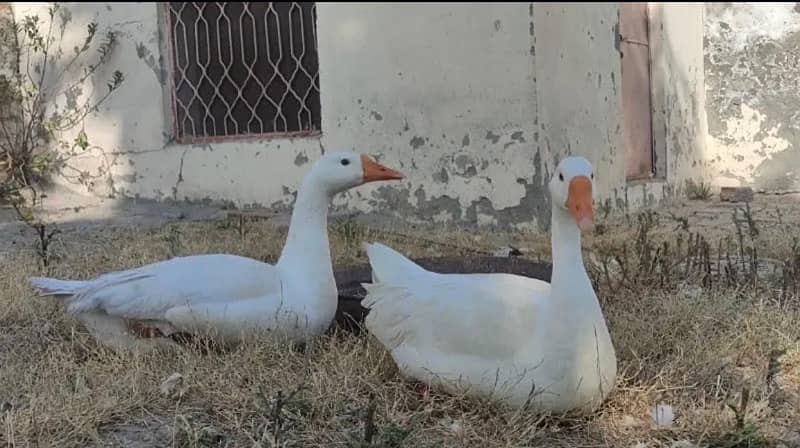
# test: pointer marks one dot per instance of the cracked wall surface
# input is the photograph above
(475, 103)
(752, 61)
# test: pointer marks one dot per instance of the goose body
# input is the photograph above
(518, 340)
(221, 295)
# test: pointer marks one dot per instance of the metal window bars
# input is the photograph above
(244, 69)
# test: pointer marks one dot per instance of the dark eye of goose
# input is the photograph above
(345, 162)
(561, 177)
(592, 176)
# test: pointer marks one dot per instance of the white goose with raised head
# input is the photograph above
(515, 339)
(224, 295)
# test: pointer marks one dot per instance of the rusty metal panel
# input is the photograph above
(637, 118)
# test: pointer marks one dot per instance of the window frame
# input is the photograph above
(171, 94)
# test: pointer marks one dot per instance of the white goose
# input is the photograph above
(225, 295)
(521, 341)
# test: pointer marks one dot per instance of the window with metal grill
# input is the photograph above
(244, 69)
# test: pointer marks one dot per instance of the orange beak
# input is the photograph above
(579, 202)
(374, 171)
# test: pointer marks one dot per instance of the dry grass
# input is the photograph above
(694, 348)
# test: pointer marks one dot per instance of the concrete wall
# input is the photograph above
(678, 79)
(446, 93)
(752, 62)
(476, 103)
(578, 75)
(129, 126)
(10, 112)
(577, 83)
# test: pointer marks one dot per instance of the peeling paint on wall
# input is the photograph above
(745, 144)
(752, 65)
(476, 107)
(301, 159)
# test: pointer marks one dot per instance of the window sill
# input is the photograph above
(249, 138)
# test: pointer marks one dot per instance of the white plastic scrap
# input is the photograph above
(663, 415)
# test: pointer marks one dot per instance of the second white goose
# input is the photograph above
(518, 340)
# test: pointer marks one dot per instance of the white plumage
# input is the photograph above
(516, 339)
(225, 296)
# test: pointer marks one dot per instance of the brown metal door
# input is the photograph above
(636, 111)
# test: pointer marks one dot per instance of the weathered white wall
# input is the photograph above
(474, 102)
(578, 75)
(577, 84)
(131, 132)
(446, 93)
(752, 64)
(678, 85)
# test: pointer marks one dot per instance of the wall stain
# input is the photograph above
(416, 142)
(534, 205)
(614, 83)
(462, 161)
(441, 176)
(301, 159)
(147, 57)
